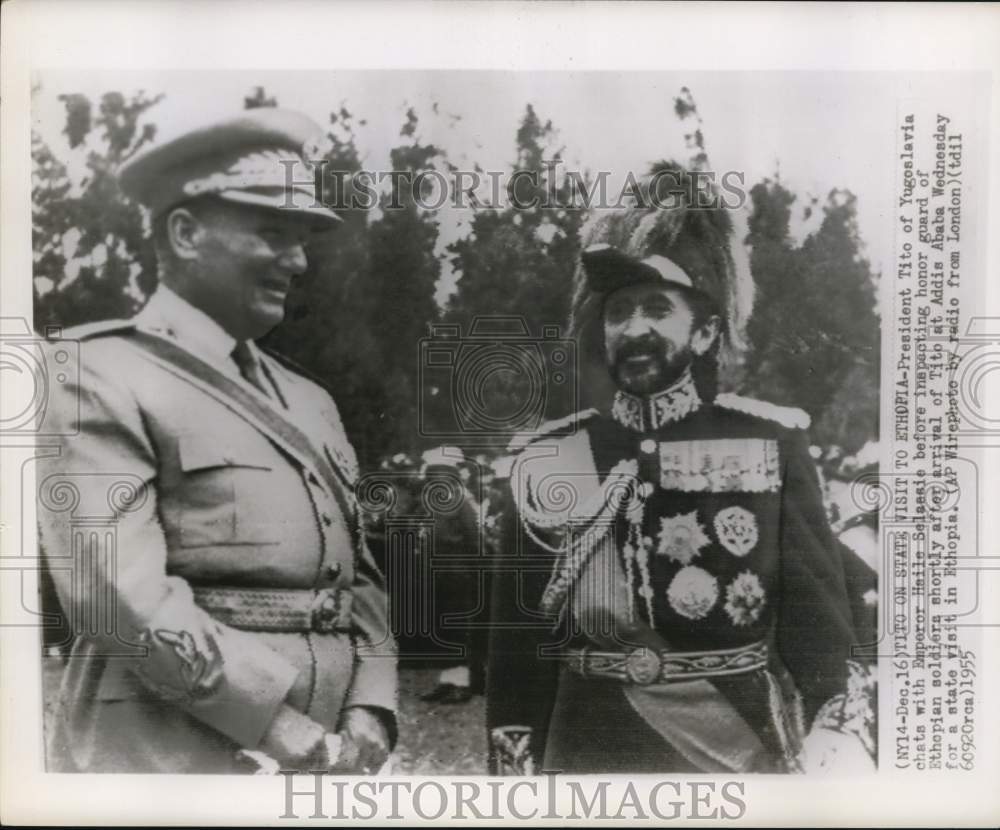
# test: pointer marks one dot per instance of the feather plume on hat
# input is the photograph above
(697, 239)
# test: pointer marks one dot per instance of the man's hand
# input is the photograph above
(831, 752)
(294, 740)
(365, 742)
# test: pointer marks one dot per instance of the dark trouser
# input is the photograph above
(459, 611)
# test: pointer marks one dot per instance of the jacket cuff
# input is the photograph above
(256, 682)
(375, 685)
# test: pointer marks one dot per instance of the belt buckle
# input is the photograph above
(643, 666)
(324, 614)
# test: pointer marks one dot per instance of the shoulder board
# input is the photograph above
(788, 416)
(549, 429)
(100, 328)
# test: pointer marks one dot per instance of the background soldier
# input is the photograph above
(456, 583)
(239, 608)
(683, 609)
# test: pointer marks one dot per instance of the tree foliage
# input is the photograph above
(90, 259)
(358, 316)
(515, 276)
(814, 333)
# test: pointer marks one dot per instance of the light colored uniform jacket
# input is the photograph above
(162, 485)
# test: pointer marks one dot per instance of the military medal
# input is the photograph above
(692, 592)
(745, 599)
(720, 465)
(682, 537)
(736, 528)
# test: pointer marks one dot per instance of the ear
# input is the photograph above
(705, 335)
(185, 231)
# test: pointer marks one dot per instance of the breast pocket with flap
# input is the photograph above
(220, 485)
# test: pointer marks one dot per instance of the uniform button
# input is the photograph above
(648, 446)
(333, 571)
(327, 519)
(313, 480)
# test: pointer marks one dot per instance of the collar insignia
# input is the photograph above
(641, 414)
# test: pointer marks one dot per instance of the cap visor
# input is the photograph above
(294, 201)
(609, 269)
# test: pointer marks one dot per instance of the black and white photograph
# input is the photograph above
(378, 429)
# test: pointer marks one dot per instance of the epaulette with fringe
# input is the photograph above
(788, 416)
(99, 328)
(546, 430)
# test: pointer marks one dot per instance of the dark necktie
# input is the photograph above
(249, 367)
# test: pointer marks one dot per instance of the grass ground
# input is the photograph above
(436, 739)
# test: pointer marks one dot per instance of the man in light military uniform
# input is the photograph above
(199, 519)
(670, 597)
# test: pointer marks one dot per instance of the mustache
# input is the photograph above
(649, 345)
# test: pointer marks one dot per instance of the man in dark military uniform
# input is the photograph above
(199, 520)
(670, 598)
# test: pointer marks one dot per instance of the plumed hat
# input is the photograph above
(673, 241)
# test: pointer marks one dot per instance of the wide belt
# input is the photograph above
(644, 666)
(263, 609)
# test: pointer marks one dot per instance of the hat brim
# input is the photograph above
(609, 269)
(287, 201)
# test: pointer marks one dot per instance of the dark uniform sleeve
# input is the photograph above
(814, 631)
(862, 585)
(520, 685)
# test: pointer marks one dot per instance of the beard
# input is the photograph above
(647, 366)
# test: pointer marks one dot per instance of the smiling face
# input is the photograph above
(651, 335)
(241, 262)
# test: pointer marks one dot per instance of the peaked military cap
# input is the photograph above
(260, 157)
